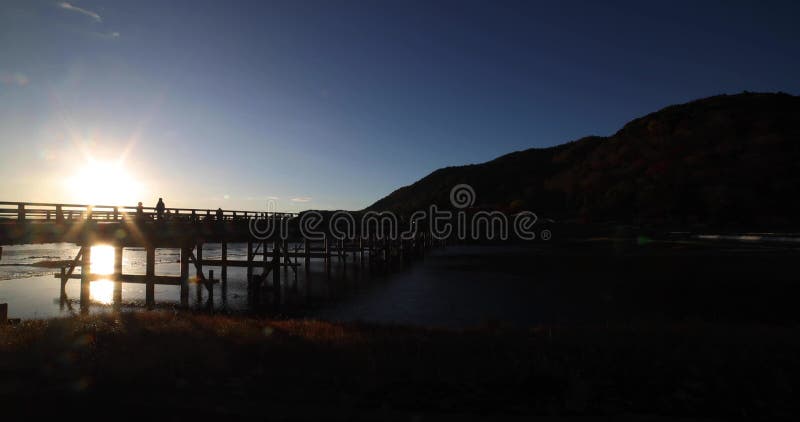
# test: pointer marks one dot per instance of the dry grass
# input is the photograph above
(208, 365)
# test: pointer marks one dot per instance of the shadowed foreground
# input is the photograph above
(195, 365)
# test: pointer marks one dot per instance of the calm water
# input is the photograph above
(442, 289)
(460, 286)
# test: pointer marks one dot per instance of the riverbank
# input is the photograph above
(199, 365)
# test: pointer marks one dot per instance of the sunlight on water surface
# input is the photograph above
(102, 291)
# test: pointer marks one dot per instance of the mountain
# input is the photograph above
(727, 160)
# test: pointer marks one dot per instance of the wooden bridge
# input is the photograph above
(189, 230)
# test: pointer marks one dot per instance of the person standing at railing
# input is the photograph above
(220, 215)
(160, 207)
(139, 212)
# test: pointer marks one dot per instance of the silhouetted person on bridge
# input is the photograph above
(140, 212)
(220, 215)
(160, 207)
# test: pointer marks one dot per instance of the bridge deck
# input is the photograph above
(25, 222)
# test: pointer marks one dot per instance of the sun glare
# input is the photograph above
(102, 291)
(102, 260)
(104, 183)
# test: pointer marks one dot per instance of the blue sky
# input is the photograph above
(334, 104)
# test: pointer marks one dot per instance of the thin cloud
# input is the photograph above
(16, 78)
(69, 6)
(103, 35)
(302, 199)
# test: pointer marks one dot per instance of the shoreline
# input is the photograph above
(246, 366)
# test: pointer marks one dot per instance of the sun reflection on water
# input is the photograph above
(102, 291)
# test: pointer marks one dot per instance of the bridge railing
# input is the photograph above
(32, 212)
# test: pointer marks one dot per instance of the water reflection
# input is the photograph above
(102, 291)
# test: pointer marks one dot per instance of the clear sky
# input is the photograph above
(334, 104)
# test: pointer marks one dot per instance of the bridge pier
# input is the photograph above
(250, 258)
(86, 269)
(118, 275)
(199, 291)
(199, 256)
(210, 286)
(150, 272)
(63, 277)
(224, 270)
(184, 277)
(276, 273)
(327, 247)
(265, 257)
(307, 267)
(361, 251)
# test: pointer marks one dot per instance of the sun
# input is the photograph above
(104, 183)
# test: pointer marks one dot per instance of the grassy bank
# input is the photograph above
(159, 363)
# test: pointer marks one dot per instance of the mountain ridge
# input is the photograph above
(720, 160)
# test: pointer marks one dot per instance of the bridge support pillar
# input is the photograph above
(361, 251)
(184, 277)
(199, 256)
(307, 251)
(117, 275)
(150, 272)
(224, 269)
(264, 257)
(63, 277)
(86, 270)
(276, 273)
(327, 257)
(250, 259)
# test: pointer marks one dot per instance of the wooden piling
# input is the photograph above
(199, 256)
(276, 274)
(250, 259)
(361, 251)
(64, 278)
(86, 269)
(224, 258)
(117, 274)
(327, 257)
(150, 272)
(210, 287)
(265, 256)
(307, 267)
(307, 253)
(285, 259)
(184, 277)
